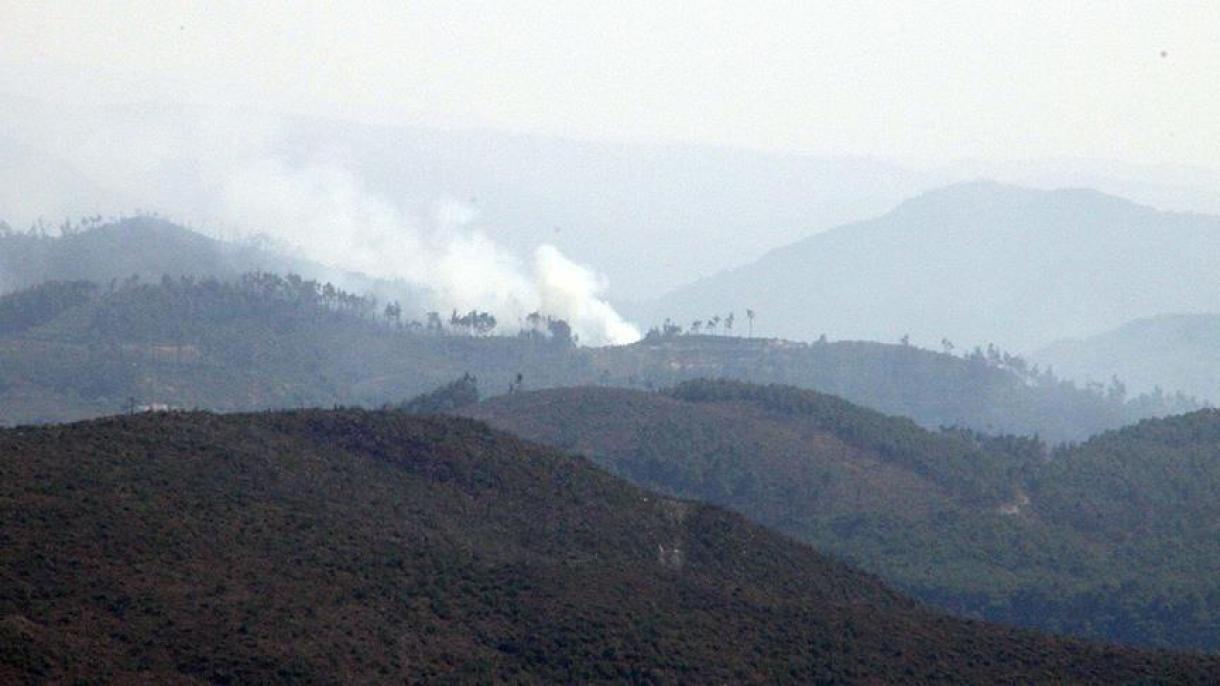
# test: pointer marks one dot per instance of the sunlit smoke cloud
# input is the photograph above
(323, 209)
(572, 289)
(227, 171)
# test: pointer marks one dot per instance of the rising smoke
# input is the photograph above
(230, 173)
(324, 211)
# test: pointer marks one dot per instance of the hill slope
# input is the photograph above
(985, 391)
(976, 263)
(978, 525)
(74, 350)
(149, 247)
(80, 349)
(341, 546)
(1176, 352)
(143, 246)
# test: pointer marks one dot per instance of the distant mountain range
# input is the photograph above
(349, 546)
(1175, 352)
(974, 263)
(648, 217)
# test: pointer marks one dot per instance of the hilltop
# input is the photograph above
(101, 250)
(984, 390)
(975, 263)
(346, 545)
(106, 250)
(997, 527)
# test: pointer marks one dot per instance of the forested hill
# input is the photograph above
(71, 350)
(106, 250)
(1151, 486)
(340, 546)
(1112, 539)
(76, 349)
(97, 249)
(986, 390)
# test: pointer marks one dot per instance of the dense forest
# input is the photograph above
(340, 546)
(1112, 539)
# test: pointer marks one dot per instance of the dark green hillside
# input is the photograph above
(353, 546)
(957, 466)
(23, 310)
(1148, 494)
(985, 390)
(260, 341)
(1114, 539)
(922, 509)
(1155, 478)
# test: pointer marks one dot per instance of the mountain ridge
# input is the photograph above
(1173, 351)
(974, 263)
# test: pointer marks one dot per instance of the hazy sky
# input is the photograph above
(1133, 81)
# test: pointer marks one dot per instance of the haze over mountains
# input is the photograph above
(149, 248)
(649, 218)
(698, 209)
(975, 263)
(1169, 351)
(636, 342)
(982, 526)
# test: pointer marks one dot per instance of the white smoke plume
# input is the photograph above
(232, 172)
(323, 210)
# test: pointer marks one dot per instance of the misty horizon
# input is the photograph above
(304, 185)
(199, 108)
(701, 342)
